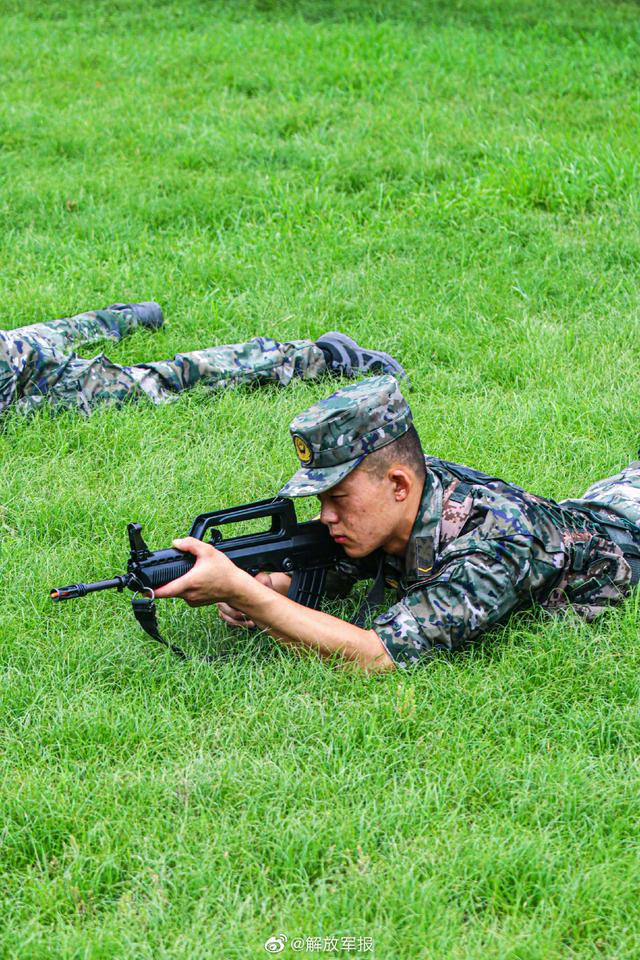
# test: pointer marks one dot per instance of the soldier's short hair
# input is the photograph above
(406, 450)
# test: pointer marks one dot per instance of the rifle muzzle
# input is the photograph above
(76, 590)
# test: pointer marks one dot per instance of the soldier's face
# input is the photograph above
(362, 512)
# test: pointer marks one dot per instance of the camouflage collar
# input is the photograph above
(423, 542)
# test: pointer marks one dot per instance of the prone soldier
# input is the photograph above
(37, 365)
(462, 549)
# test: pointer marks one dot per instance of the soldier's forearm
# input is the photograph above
(296, 625)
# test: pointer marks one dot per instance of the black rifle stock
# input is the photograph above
(305, 551)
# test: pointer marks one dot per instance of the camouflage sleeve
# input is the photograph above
(7, 379)
(469, 594)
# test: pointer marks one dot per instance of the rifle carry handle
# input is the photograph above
(281, 511)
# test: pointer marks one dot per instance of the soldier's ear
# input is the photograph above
(402, 481)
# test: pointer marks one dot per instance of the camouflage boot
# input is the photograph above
(147, 314)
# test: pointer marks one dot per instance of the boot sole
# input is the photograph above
(377, 355)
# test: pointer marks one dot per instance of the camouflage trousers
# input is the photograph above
(37, 365)
(620, 494)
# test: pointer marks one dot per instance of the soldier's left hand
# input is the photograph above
(209, 580)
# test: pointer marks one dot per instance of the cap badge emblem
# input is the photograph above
(304, 451)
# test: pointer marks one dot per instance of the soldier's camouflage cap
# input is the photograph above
(334, 436)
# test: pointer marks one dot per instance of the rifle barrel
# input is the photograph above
(76, 590)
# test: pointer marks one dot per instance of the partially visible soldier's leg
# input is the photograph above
(84, 384)
(37, 354)
(620, 493)
(83, 328)
(261, 360)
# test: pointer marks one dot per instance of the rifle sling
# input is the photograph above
(144, 610)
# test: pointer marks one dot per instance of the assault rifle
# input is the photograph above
(303, 550)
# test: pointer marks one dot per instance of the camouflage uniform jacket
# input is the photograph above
(483, 549)
(7, 380)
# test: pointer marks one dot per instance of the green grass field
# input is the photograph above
(458, 183)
